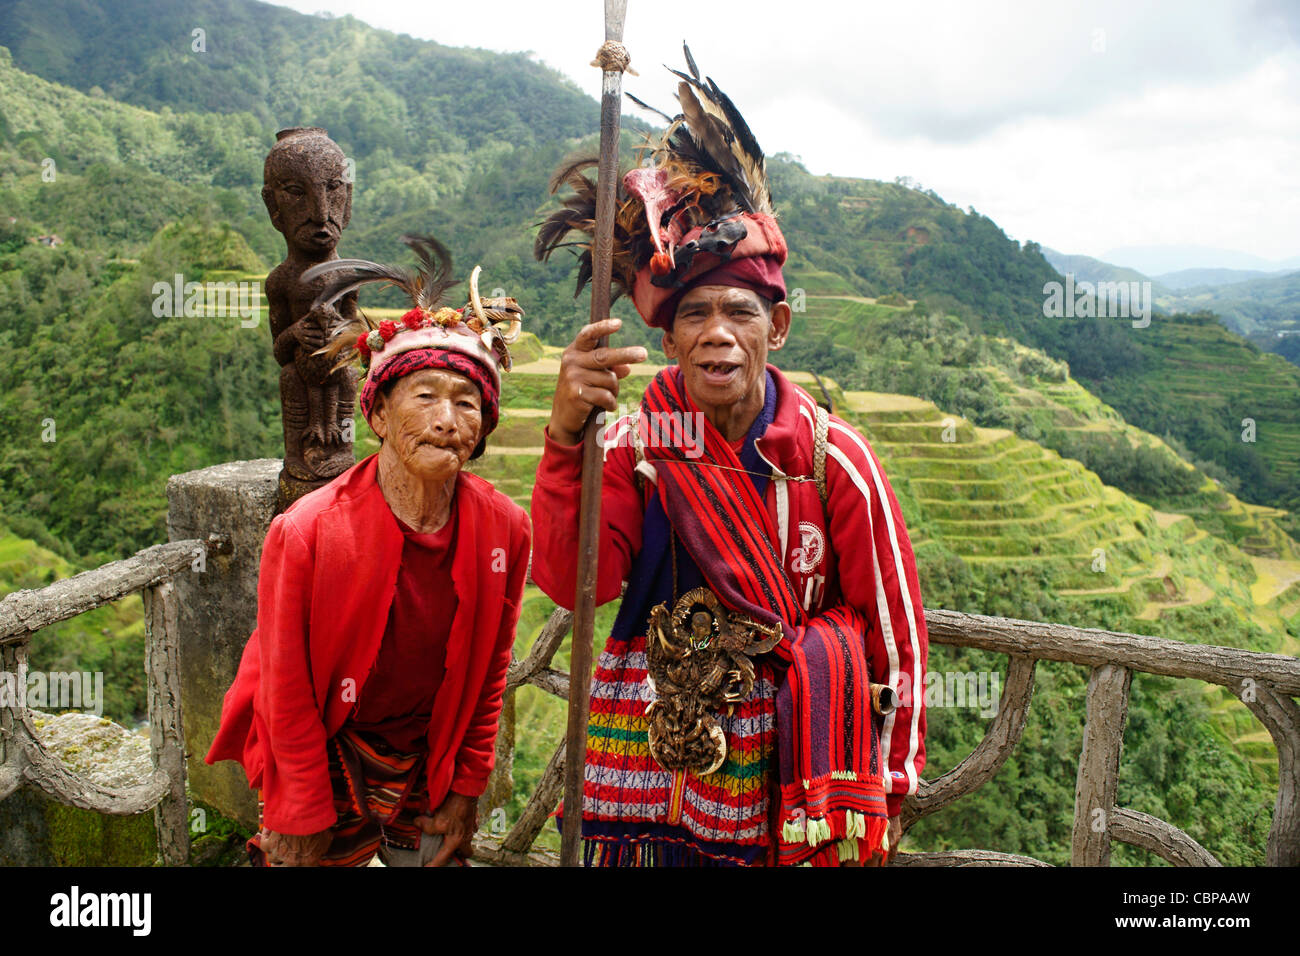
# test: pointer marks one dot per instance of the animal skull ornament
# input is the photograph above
(700, 660)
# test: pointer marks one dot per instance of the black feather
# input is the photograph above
(570, 174)
(434, 278)
(578, 212)
(584, 272)
(425, 287)
(352, 275)
(690, 61)
(743, 133)
(647, 106)
(692, 81)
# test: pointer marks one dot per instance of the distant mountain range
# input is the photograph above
(1193, 278)
(1157, 261)
(1262, 306)
(1088, 269)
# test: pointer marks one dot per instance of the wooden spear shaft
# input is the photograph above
(584, 607)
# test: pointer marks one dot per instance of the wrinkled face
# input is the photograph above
(720, 337)
(310, 203)
(430, 421)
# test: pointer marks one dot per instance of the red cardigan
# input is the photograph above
(327, 580)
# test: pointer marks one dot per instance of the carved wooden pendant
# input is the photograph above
(699, 659)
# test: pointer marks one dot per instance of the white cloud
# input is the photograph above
(1175, 124)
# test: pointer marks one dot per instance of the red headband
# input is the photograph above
(419, 359)
(758, 274)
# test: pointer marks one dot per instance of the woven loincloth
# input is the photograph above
(637, 813)
(378, 792)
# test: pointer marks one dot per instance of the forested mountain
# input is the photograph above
(143, 156)
(470, 164)
(1266, 304)
(1263, 307)
(1088, 269)
(1192, 278)
(377, 90)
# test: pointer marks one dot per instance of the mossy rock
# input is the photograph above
(37, 831)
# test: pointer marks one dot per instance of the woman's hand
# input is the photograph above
(456, 820)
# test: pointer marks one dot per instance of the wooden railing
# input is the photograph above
(24, 761)
(1266, 683)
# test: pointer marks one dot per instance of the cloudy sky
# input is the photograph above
(1088, 127)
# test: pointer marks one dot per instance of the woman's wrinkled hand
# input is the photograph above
(456, 821)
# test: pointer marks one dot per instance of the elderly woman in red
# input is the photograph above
(366, 703)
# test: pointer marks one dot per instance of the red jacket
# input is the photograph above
(869, 562)
(327, 580)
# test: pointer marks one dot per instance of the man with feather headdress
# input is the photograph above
(759, 699)
(366, 703)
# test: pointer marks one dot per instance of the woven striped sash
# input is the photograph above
(832, 794)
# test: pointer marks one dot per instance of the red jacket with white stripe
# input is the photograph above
(863, 559)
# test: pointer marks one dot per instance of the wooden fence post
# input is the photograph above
(167, 739)
(1098, 781)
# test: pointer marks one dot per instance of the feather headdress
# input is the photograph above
(426, 287)
(481, 331)
(699, 199)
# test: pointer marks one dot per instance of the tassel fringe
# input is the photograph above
(834, 838)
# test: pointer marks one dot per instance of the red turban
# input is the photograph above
(754, 263)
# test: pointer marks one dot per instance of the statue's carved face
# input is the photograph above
(430, 422)
(308, 194)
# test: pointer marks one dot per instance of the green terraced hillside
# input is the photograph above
(1199, 363)
(996, 499)
(1000, 382)
(1066, 408)
(1004, 504)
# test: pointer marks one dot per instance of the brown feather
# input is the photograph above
(714, 165)
(711, 135)
(425, 287)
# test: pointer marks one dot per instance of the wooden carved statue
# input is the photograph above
(308, 193)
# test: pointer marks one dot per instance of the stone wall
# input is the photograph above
(217, 603)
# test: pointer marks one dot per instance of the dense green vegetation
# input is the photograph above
(1263, 304)
(105, 401)
(1218, 380)
(1263, 307)
(1227, 401)
(157, 154)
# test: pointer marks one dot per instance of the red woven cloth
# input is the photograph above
(828, 745)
